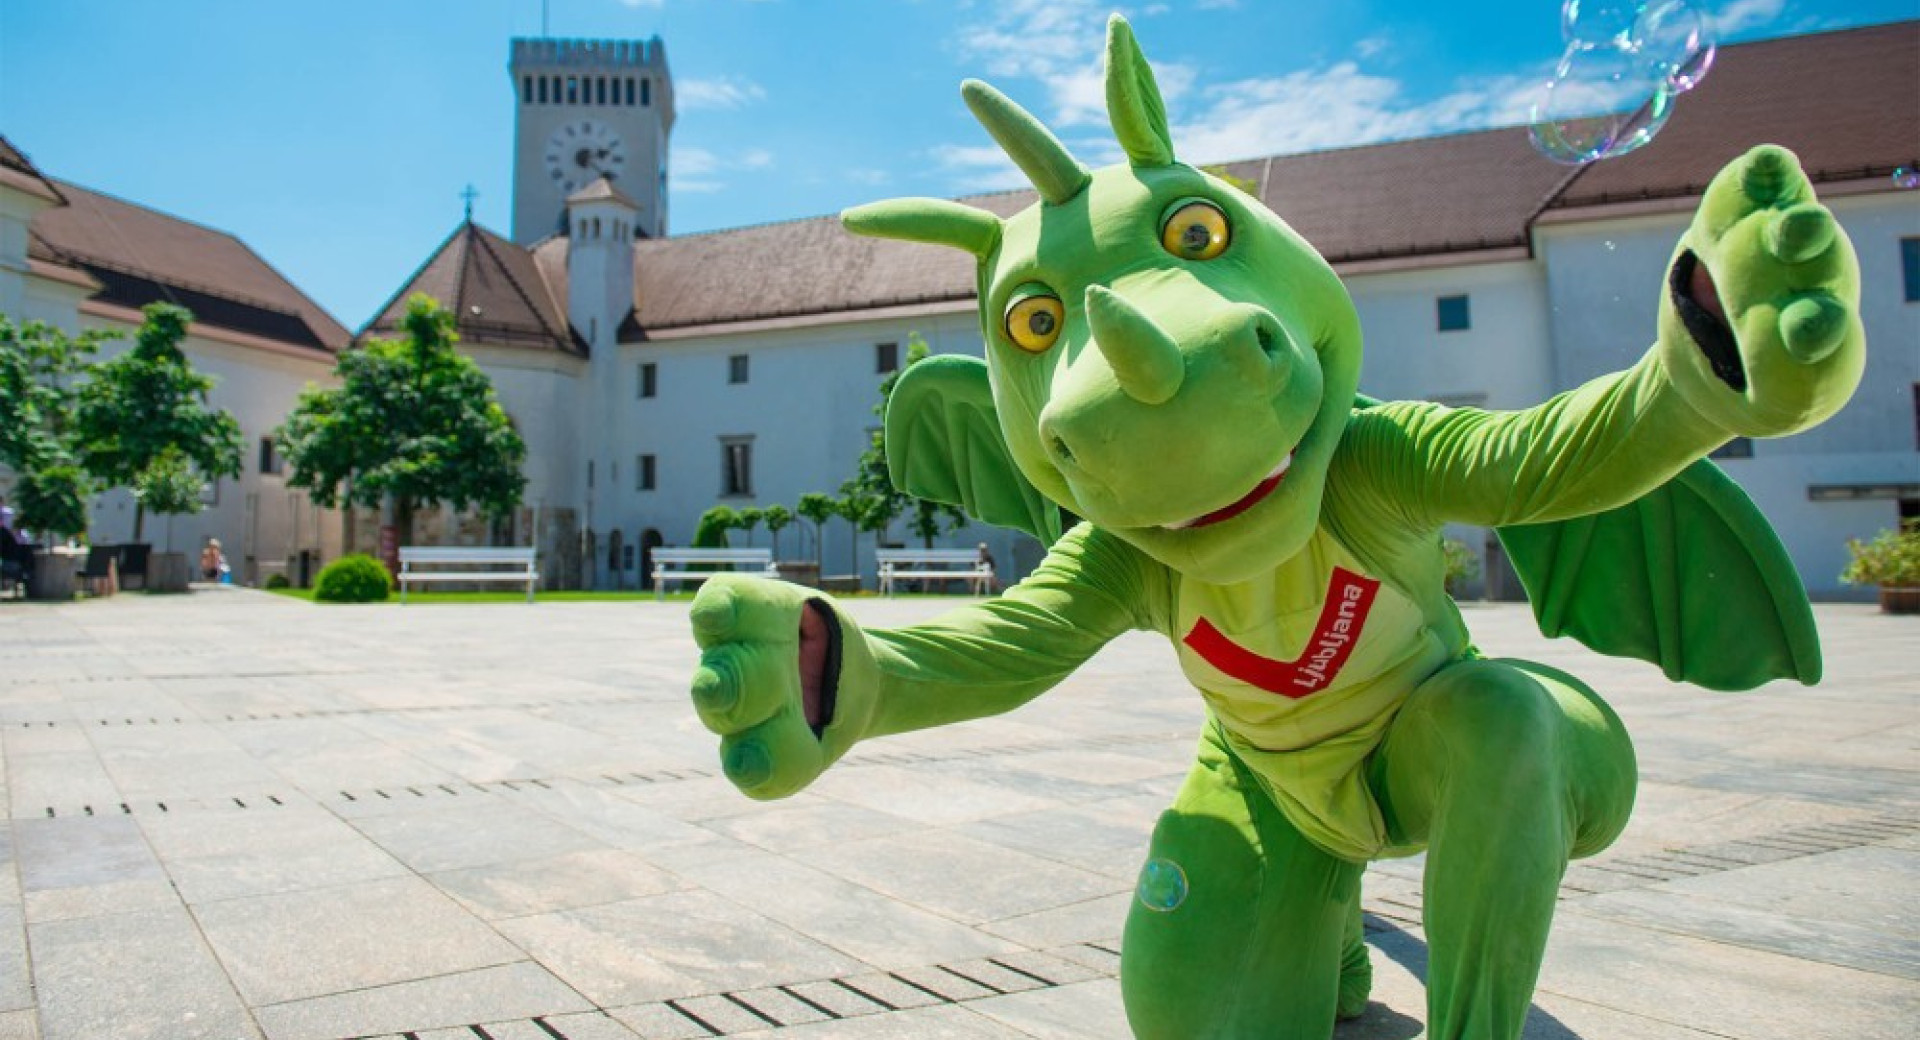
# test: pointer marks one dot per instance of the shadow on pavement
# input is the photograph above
(1383, 1023)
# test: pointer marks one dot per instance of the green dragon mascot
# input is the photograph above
(1168, 360)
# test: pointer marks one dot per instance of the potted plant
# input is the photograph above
(1890, 560)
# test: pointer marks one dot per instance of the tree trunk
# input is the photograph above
(139, 519)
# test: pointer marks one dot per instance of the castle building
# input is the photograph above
(82, 260)
(655, 376)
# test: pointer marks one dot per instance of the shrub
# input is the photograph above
(1891, 560)
(1462, 565)
(278, 581)
(353, 579)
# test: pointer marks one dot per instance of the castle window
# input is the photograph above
(526, 90)
(270, 460)
(736, 465)
(573, 90)
(629, 91)
(600, 90)
(886, 357)
(645, 93)
(1453, 313)
(543, 90)
(737, 368)
(649, 379)
(643, 472)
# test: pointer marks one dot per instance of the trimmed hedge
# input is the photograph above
(358, 578)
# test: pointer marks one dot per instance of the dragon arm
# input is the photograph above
(988, 658)
(1759, 335)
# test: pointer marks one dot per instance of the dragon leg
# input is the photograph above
(1242, 929)
(1505, 770)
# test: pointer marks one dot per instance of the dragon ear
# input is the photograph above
(1052, 170)
(1133, 100)
(934, 221)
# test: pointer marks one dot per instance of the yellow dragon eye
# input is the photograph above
(1033, 322)
(1195, 231)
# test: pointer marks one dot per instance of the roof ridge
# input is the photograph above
(539, 313)
(408, 282)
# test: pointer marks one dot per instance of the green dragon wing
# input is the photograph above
(1689, 577)
(944, 444)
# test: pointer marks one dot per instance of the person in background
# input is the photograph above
(213, 563)
(16, 550)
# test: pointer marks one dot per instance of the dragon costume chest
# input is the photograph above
(1312, 650)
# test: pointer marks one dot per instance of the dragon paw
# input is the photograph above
(1761, 322)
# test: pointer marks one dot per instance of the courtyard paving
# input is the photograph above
(235, 815)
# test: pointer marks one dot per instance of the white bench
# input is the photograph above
(514, 564)
(934, 565)
(674, 565)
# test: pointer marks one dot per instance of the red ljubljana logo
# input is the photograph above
(1349, 599)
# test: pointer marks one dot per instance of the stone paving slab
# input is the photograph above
(235, 815)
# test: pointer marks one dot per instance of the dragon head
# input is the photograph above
(1165, 356)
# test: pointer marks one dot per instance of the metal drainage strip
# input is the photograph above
(823, 1000)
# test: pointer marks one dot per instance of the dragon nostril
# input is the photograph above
(1264, 336)
(1061, 451)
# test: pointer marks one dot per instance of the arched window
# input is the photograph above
(629, 91)
(599, 90)
(543, 90)
(646, 93)
(573, 90)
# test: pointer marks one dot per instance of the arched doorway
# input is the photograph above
(650, 539)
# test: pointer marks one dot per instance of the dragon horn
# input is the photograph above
(935, 221)
(1056, 174)
(1138, 115)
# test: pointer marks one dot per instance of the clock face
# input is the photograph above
(580, 151)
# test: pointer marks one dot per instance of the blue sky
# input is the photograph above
(335, 137)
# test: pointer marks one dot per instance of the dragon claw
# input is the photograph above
(1812, 327)
(1799, 233)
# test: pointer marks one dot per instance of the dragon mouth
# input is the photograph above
(1248, 501)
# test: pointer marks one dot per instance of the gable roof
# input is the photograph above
(1386, 203)
(497, 292)
(18, 172)
(141, 256)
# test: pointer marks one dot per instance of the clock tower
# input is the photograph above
(588, 109)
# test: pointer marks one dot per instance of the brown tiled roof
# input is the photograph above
(496, 289)
(18, 172)
(142, 256)
(1847, 103)
(1458, 193)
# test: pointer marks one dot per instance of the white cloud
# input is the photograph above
(1741, 15)
(644, 3)
(694, 95)
(702, 171)
(1337, 106)
(1060, 44)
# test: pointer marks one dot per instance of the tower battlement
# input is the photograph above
(587, 53)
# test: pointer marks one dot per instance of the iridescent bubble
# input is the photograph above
(1598, 21)
(1599, 104)
(1675, 43)
(1163, 885)
(1906, 177)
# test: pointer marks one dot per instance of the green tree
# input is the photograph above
(39, 367)
(880, 503)
(414, 423)
(711, 531)
(750, 518)
(817, 508)
(777, 517)
(147, 408)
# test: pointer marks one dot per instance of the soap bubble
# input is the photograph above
(1674, 43)
(1906, 177)
(1599, 104)
(1594, 22)
(1163, 885)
